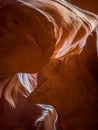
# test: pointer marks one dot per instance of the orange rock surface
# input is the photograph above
(70, 84)
(71, 87)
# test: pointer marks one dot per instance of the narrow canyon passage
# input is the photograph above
(48, 65)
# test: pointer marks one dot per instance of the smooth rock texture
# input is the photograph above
(26, 39)
(71, 87)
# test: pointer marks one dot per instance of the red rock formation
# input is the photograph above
(69, 84)
(24, 39)
(26, 116)
(86, 4)
(71, 87)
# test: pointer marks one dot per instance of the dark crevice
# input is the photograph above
(15, 21)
